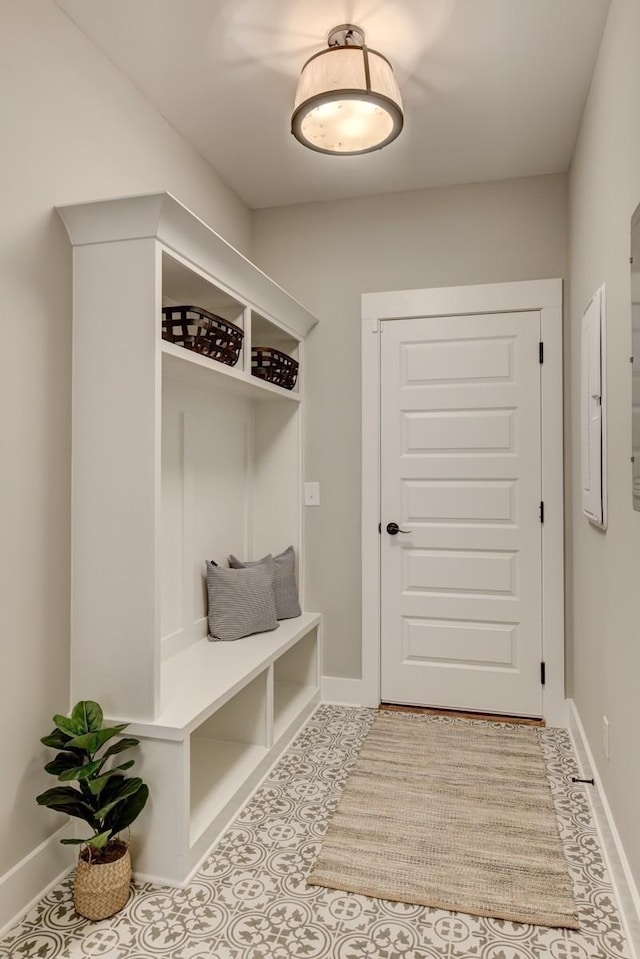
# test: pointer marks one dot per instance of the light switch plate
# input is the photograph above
(312, 494)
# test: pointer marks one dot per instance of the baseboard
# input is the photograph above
(622, 878)
(345, 692)
(31, 878)
(162, 880)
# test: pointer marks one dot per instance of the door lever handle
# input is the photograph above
(393, 529)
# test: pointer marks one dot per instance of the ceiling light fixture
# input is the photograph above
(347, 101)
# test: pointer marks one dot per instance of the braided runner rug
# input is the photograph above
(455, 815)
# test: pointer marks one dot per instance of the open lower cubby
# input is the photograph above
(224, 751)
(295, 682)
(231, 708)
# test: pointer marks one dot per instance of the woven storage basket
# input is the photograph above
(196, 329)
(274, 366)
(101, 889)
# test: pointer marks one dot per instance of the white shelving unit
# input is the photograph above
(178, 459)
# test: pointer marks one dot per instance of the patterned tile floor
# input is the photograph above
(250, 899)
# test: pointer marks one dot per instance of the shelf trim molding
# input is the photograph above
(162, 217)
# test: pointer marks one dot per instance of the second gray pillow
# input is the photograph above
(284, 581)
(241, 601)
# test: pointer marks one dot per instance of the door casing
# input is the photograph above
(544, 296)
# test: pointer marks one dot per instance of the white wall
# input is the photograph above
(605, 578)
(73, 128)
(327, 254)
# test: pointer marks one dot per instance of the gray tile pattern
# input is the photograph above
(250, 899)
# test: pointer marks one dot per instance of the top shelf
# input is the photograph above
(181, 364)
(183, 284)
(161, 217)
(199, 268)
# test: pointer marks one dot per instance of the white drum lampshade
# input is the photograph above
(347, 101)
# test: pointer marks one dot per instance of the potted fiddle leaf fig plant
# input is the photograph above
(96, 791)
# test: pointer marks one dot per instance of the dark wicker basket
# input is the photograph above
(195, 329)
(274, 366)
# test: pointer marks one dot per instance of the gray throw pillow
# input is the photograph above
(240, 601)
(284, 581)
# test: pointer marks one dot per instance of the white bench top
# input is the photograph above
(196, 681)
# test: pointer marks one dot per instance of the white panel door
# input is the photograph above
(461, 473)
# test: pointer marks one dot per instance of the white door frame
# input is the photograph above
(544, 296)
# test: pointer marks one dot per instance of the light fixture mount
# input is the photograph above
(347, 102)
(346, 35)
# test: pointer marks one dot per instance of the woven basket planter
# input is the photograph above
(101, 889)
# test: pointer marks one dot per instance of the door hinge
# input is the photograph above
(543, 673)
(541, 351)
(380, 527)
(542, 511)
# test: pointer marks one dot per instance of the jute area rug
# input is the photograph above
(453, 815)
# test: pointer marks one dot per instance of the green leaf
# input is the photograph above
(78, 811)
(120, 746)
(67, 725)
(86, 792)
(87, 715)
(112, 787)
(129, 787)
(58, 794)
(67, 800)
(73, 842)
(92, 742)
(90, 768)
(100, 840)
(56, 739)
(80, 772)
(126, 765)
(97, 785)
(125, 812)
(62, 764)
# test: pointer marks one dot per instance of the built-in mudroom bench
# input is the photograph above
(177, 459)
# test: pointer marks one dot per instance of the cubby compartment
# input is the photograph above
(224, 751)
(182, 283)
(207, 445)
(266, 333)
(295, 682)
(230, 710)
(269, 336)
(248, 452)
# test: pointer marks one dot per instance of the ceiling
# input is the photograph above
(492, 89)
